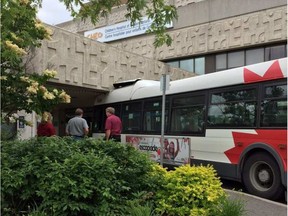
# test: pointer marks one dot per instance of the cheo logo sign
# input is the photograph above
(95, 35)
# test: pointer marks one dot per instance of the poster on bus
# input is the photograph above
(176, 150)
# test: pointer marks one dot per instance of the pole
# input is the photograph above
(163, 118)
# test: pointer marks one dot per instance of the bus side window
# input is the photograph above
(274, 106)
(269, 113)
(152, 115)
(274, 113)
(188, 114)
(233, 108)
(152, 121)
(131, 117)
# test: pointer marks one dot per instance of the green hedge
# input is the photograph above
(58, 176)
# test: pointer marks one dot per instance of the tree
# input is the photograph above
(22, 31)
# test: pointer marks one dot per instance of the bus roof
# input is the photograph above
(270, 70)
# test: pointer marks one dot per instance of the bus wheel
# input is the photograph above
(262, 177)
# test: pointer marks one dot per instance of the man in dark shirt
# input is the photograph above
(113, 125)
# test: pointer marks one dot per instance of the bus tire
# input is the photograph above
(262, 176)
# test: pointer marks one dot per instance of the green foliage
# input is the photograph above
(58, 176)
(233, 207)
(21, 32)
(135, 209)
(190, 191)
(29, 94)
(18, 25)
(161, 14)
(141, 205)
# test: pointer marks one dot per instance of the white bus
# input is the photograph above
(235, 120)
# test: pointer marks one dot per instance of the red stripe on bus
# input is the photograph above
(273, 72)
(273, 138)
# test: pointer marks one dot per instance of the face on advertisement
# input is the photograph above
(171, 147)
(166, 143)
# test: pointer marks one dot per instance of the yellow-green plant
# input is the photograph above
(190, 190)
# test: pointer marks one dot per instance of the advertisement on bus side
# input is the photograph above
(176, 150)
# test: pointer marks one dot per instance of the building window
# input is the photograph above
(221, 62)
(254, 56)
(275, 52)
(195, 65)
(187, 65)
(173, 64)
(236, 59)
(200, 66)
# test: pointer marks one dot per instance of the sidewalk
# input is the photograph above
(257, 206)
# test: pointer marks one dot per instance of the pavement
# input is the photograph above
(256, 206)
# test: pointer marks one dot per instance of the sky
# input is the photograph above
(53, 12)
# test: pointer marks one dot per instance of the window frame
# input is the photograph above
(273, 99)
(229, 89)
(145, 110)
(140, 111)
(173, 108)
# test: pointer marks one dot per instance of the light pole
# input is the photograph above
(164, 85)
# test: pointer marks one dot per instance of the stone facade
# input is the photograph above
(205, 26)
(261, 27)
(82, 62)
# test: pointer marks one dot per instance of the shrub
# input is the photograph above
(190, 191)
(140, 206)
(233, 207)
(58, 176)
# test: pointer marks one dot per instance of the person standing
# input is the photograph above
(113, 125)
(46, 128)
(77, 127)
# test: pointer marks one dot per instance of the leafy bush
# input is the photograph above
(191, 191)
(60, 176)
